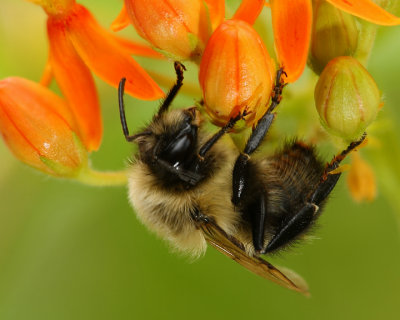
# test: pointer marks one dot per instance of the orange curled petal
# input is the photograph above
(216, 9)
(292, 21)
(249, 10)
(77, 85)
(120, 22)
(102, 54)
(367, 10)
(37, 123)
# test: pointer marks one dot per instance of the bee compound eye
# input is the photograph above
(181, 147)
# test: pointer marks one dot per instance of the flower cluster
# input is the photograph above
(236, 71)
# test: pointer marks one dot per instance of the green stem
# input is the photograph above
(92, 177)
(366, 42)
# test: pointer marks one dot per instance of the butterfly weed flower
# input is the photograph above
(39, 128)
(178, 28)
(79, 45)
(236, 73)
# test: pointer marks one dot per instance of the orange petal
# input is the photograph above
(216, 9)
(367, 10)
(76, 83)
(361, 180)
(138, 49)
(102, 54)
(122, 21)
(47, 75)
(291, 21)
(36, 123)
(249, 10)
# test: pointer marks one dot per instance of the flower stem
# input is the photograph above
(366, 42)
(92, 177)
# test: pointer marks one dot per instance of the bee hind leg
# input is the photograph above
(303, 218)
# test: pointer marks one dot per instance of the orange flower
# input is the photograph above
(361, 180)
(236, 72)
(179, 28)
(39, 128)
(292, 21)
(79, 44)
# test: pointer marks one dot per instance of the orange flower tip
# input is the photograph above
(122, 21)
(347, 98)
(367, 10)
(361, 180)
(236, 73)
(216, 11)
(38, 129)
(179, 28)
(292, 22)
(249, 10)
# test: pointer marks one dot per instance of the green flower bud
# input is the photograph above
(334, 34)
(347, 98)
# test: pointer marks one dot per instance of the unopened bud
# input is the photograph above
(334, 34)
(236, 74)
(39, 128)
(178, 28)
(347, 98)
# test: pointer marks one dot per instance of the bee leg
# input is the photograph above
(240, 170)
(209, 143)
(179, 68)
(328, 180)
(257, 213)
(306, 214)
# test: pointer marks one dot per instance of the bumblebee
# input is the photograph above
(192, 188)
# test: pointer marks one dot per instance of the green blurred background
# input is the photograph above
(68, 251)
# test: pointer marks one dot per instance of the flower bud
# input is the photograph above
(334, 34)
(179, 28)
(236, 73)
(347, 98)
(39, 129)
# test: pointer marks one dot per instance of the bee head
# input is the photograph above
(170, 137)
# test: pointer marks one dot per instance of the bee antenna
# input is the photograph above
(121, 104)
(179, 68)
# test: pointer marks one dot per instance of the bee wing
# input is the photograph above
(234, 249)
